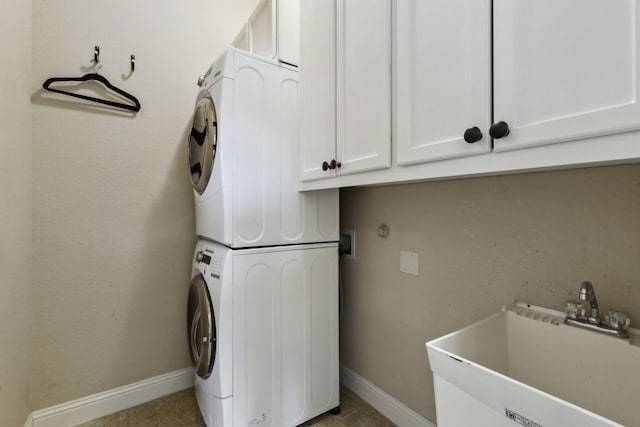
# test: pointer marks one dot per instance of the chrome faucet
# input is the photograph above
(615, 322)
(588, 294)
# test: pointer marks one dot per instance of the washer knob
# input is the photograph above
(199, 256)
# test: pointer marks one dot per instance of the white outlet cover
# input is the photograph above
(409, 262)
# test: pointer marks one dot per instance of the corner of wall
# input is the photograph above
(15, 211)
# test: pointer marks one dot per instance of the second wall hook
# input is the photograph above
(96, 58)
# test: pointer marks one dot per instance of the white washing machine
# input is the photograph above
(263, 328)
(209, 320)
(243, 157)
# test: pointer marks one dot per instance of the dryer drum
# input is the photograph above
(202, 143)
(201, 328)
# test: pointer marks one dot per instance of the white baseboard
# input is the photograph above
(105, 403)
(388, 406)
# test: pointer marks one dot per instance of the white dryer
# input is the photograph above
(243, 158)
(280, 305)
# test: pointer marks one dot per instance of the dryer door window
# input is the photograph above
(201, 327)
(201, 147)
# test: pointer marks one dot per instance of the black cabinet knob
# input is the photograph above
(499, 130)
(334, 164)
(472, 135)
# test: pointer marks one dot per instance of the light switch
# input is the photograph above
(409, 262)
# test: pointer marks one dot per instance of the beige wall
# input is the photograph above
(482, 243)
(113, 215)
(15, 211)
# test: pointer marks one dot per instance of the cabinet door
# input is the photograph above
(565, 70)
(443, 79)
(288, 25)
(363, 84)
(317, 88)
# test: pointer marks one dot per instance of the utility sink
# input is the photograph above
(525, 366)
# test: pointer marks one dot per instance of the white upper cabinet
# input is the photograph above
(565, 70)
(541, 83)
(363, 62)
(272, 31)
(443, 79)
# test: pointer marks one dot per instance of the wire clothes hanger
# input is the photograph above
(95, 77)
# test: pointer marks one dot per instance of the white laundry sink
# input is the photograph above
(524, 366)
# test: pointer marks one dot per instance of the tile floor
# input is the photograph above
(180, 410)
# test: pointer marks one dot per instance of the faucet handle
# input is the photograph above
(574, 309)
(617, 319)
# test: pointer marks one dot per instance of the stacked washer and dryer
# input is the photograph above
(263, 302)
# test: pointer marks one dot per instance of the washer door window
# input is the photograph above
(202, 327)
(201, 147)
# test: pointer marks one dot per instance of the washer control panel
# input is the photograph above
(207, 255)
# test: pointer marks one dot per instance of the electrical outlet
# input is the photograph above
(348, 244)
(409, 262)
